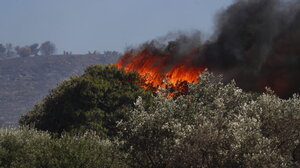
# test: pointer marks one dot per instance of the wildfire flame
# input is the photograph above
(256, 43)
(157, 68)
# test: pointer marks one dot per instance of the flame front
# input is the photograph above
(157, 68)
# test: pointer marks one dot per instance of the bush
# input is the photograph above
(23, 51)
(47, 48)
(94, 101)
(214, 125)
(24, 148)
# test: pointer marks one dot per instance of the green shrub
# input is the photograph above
(92, 101)
(24, 148)
(214, 125)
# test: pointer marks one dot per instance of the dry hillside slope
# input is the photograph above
(25, 81)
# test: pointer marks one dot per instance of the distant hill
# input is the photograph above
(25, 81)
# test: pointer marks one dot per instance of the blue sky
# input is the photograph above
(83, 25)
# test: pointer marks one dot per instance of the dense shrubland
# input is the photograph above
(24, 148)
(212, 125)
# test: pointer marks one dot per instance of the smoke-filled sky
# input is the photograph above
(255, 42)
(83, 25)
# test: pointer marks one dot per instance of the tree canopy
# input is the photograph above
(211, 125)
(95, 101)
(214, 125)
(47, 48)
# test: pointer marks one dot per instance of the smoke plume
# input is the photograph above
(256, 42)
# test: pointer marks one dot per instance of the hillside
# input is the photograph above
(25, 81)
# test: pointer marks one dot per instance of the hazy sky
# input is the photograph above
(83, 25)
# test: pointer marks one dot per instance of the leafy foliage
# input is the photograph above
(214, 125)
(8, 50)
(23, 51)
(47, 48)
(94, 101)
(24, 148)
(34, 49)
(2, 50)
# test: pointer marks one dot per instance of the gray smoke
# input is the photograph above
(256, 42)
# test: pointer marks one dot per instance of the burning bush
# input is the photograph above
(214, 125)
(211, 125)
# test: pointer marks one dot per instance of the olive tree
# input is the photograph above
(214, 125)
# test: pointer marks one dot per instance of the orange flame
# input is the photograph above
(155, 68)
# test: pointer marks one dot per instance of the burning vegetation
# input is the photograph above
(256, 42)
(160, 67)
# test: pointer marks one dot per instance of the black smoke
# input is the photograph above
(256, 42)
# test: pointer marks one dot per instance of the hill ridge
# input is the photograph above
(25, 81)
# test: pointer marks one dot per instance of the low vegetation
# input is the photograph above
(212, 125)
(24, 148)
